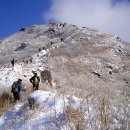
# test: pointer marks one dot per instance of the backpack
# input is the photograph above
(15, 87)
(36, 80)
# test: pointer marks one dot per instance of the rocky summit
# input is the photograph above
(83, 62)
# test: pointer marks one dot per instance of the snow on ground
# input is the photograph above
(50, 111)
(53, 111)
(9, 74)
(49, 114)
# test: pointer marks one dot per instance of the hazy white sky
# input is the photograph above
(105, 15)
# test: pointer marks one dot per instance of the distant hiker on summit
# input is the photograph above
(16, 89)
(35, 81)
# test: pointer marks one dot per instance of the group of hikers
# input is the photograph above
(17, 86)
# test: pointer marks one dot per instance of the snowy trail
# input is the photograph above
(9, 74)
(51, 108)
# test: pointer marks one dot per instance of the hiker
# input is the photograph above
(39, 49)
(12, 62)
(35, 81)
(16, 89)
(31, 60)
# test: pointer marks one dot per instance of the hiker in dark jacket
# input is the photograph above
(16, 88)
(35, 81)
(12, 62)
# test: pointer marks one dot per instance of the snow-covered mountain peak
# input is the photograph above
(90, 78)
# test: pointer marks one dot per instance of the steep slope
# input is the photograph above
(83, 62)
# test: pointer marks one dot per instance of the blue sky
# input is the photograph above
(111, 16)
(15, 14)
